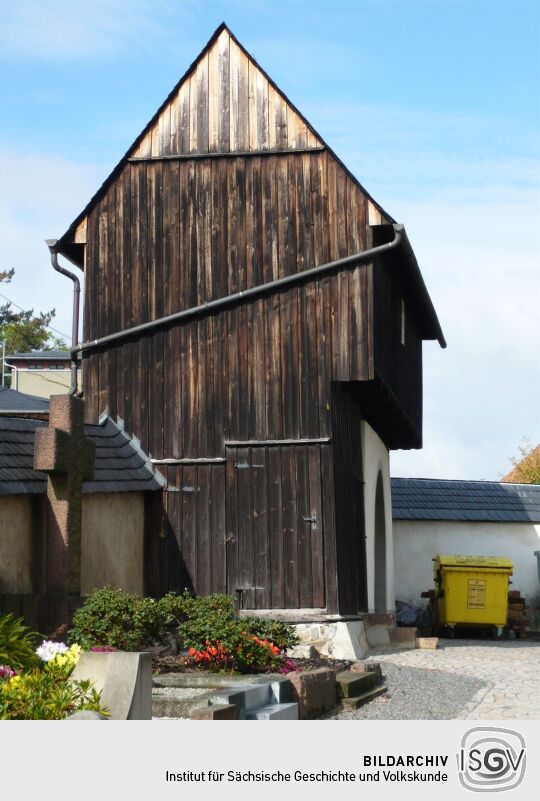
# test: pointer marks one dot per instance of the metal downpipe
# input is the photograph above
(52, 245)
(254, 292)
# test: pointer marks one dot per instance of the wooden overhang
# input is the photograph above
(407, 273)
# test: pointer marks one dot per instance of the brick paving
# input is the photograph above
(511, 669)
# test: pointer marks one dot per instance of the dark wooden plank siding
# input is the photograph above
(180, 226)
(185, 233)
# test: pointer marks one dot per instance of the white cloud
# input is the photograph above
(480, 263)
(66, 30)
(40, 195)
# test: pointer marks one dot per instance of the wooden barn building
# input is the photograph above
(255, 319)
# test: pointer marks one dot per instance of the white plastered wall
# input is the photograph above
(43, 383)
(417, 542)
(376, 459)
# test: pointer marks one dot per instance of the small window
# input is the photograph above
(403, 322)
(33, 367)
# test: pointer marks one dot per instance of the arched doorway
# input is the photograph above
(380, 548)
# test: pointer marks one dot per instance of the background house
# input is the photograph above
(488, 518)
(13, 403)
(41, 372)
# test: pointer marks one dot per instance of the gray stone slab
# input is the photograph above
(124, 680)
(273, 712)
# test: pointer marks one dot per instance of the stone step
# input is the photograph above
(255, 695)
(177, 703)
(287, 711)
(359, 700)
(169, 701)
(351, 684)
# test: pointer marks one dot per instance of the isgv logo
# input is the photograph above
(491, 759)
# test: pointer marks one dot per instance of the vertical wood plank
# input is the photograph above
(174, 125)
(258, 109)
(233, 431)
(164, 132)
(190, 497)
(316, 545)
(329, 529)
(205, 555)
(198, 108)
(239, 105)
(184, 117)
(296, 130)
(303, 510)
(290, 530)
(259, 471)
(246, 553)
(218, 529)
(205, 413)
(275, 528)
(231, 517)
(357, 285)
(219, 95)
(277, 121)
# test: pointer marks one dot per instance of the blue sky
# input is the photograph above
(433, 104)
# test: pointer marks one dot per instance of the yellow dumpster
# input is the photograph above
(472, 590)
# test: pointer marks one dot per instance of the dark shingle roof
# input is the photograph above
(120, 465)
(431, 499)
(13, 401)
(52, 355)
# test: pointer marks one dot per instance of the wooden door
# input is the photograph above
(274, 530)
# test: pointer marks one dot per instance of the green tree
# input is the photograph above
(22, 330)
(526, 468)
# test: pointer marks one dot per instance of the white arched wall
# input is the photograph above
(376, 459)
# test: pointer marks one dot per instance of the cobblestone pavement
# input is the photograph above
(511, 670)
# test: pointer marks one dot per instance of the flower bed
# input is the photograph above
(35, 683)
(207, 628)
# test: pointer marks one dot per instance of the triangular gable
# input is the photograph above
(225, 104)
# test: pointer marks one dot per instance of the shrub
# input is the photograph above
(17, 644)
(237, 649)
(281, 634)
(217, 640)
(177, 609)
(208, 627)
(46, 694)
(115, 618)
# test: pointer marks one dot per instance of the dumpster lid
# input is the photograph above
(474, 561)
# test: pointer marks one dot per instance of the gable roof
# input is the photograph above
(51, 355)
(154, 139)
(14, 402)
(120, 464)
(488, 501)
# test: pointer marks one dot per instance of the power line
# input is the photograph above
(56, 331)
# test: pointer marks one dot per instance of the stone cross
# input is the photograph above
(67, 457)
